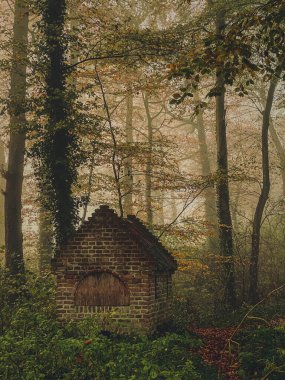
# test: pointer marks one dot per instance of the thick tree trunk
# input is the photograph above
(128, 168)
(14, 179)
(222, 187)
(59, 149)
(46, 233)
(255, 244)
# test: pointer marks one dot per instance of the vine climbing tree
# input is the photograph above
(57, 150)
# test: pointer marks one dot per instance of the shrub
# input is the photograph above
(262, 353)
(35, 346)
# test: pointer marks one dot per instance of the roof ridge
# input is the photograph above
(101, 210)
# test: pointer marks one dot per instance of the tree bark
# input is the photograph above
(255, 239)
(59, 151)
(14, 178)
(46, 233)
(222, 186)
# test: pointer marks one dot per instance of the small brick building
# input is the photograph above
(117, 265)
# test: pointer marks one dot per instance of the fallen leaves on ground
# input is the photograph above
(217, 351)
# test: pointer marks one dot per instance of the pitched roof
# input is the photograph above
(140, 233)
(150, 242)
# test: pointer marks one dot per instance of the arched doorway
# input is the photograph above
(101, 289)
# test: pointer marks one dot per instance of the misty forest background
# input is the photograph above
(169, 110)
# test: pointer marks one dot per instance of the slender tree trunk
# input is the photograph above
(148, 174)
(128, 168)
(276, 140)
(235, 204)
(89, 185)
(223, 196)
(210, 210)
(14, 179)
(255, 244)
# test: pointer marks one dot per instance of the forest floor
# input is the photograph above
(215, 351)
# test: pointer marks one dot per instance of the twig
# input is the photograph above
(185, 206)
(260, 319)
(251, 309)
(119, 55)
(276, 369)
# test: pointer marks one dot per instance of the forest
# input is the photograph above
(164, 116)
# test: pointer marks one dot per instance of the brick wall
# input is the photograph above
(103, 243)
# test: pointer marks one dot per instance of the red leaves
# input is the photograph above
(215, 350)
(79, 359)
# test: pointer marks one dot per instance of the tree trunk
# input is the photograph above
(59, 150)
(128, 168)
(276, 140)
(210, 210)
(235, 204)
(46, 233)
(148, 172)
(222, 187)
(255, 240)
(14, 179)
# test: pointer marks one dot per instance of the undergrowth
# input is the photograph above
(35, 346)
(262, 353)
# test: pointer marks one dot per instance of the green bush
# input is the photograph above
(35, 346)
(262, 353)
(47, 351)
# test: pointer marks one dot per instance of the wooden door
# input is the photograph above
(101, 289)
